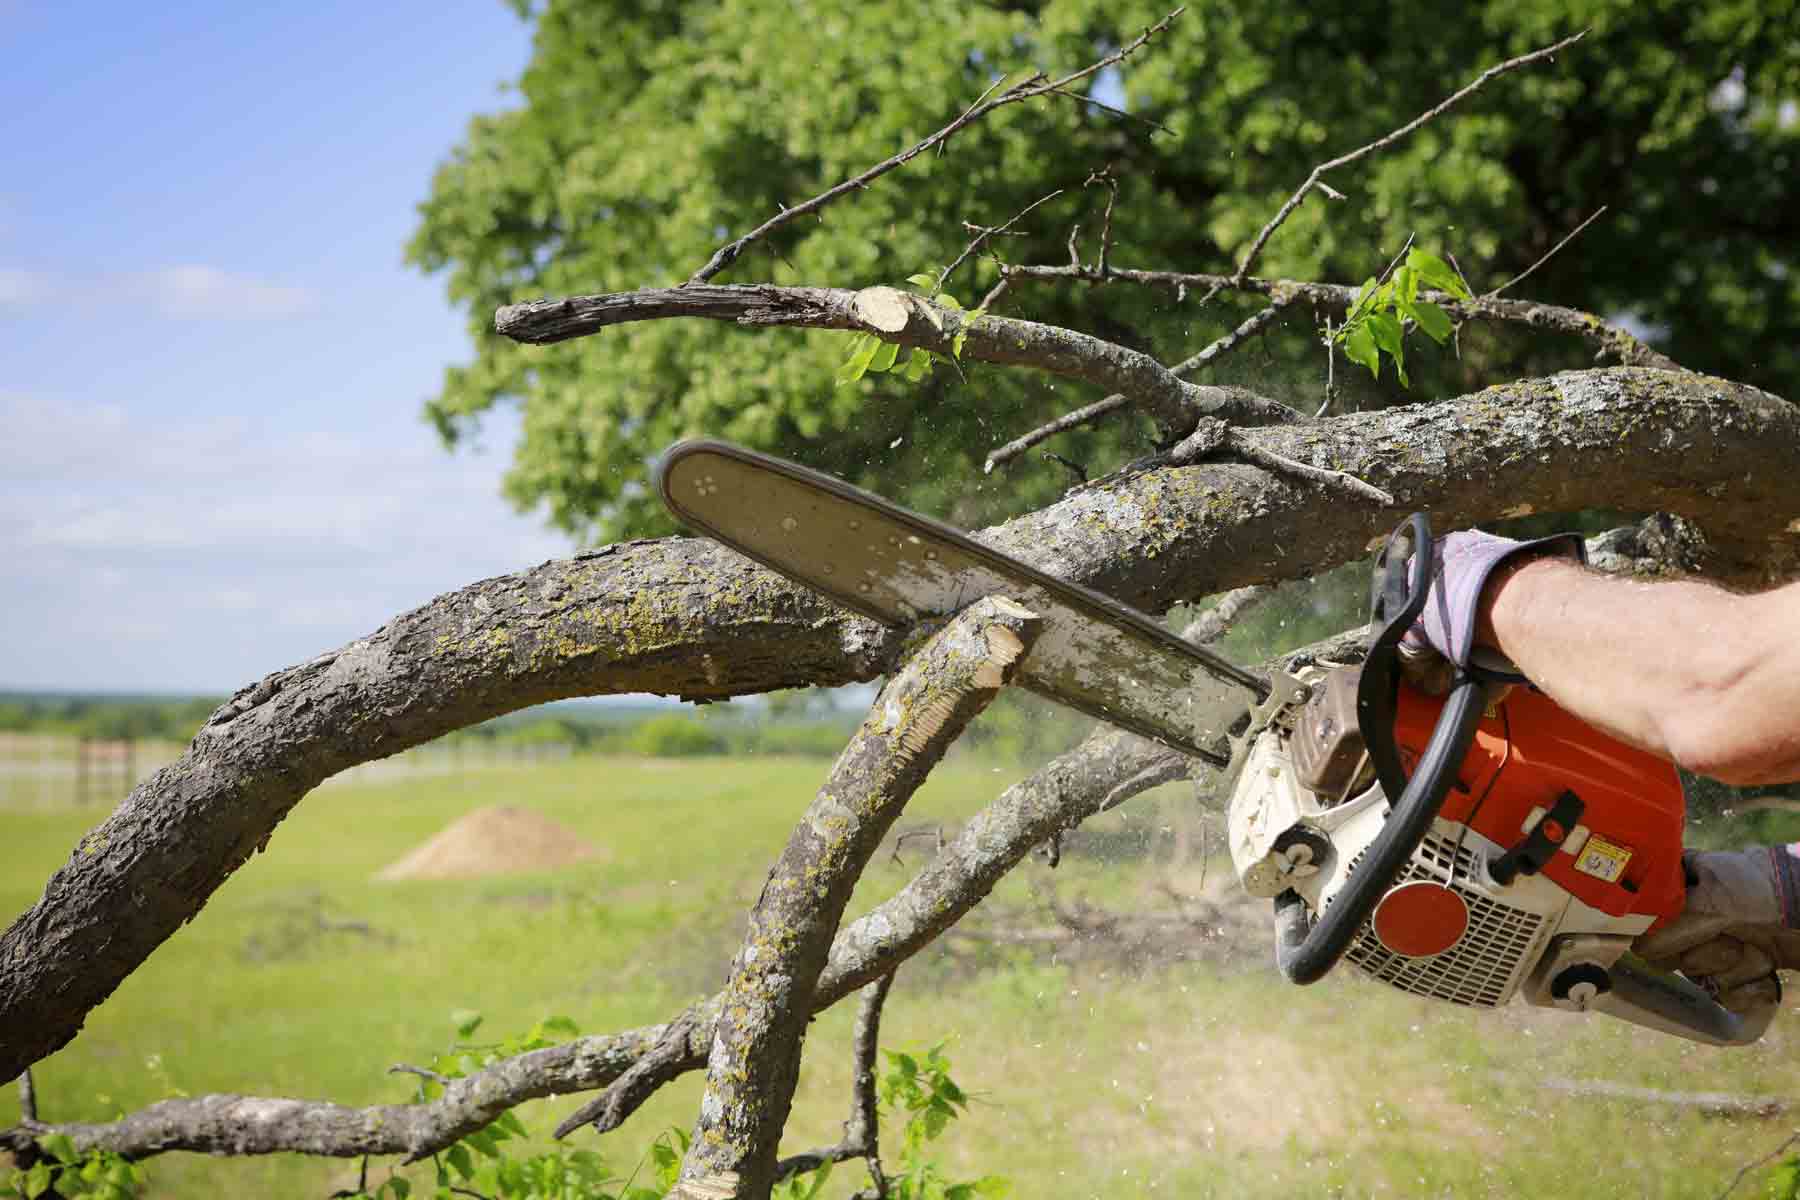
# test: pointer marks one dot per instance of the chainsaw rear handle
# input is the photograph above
(1305, 950)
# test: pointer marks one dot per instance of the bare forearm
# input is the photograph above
(1698, 675)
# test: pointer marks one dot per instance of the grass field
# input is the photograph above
(1198, 1075)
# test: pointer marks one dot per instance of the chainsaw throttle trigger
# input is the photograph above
(1541, 843)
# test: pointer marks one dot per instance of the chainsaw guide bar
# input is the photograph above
(1095, 654)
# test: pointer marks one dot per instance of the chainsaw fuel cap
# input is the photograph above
(1419, 919)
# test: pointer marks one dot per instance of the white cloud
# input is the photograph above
(188, 292)
(21, 288)
(195, 292)
(145, 552)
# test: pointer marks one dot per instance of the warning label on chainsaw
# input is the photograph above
(1603, 860)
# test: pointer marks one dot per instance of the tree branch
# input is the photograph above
(1081, 416)
(907, 320)
(1611, 342)
(1106, 769)
(862, 1132)
(755, 1058)
(688, 617)
(1037, 85)
(1314, 178)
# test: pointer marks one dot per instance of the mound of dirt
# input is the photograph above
(497, 840)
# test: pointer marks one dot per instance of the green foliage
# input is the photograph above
(641, 136)
(1376, 323)
(1783, 1182)
(675, 735)
(64, 1171)
(918, 1086)
(158, 718)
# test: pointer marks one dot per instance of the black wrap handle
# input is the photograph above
(1305, 950)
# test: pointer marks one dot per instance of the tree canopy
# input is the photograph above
(648, 132)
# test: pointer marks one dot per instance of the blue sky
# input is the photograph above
(212, 358)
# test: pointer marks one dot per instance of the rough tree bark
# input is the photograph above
(755, 1058)
(684, 617)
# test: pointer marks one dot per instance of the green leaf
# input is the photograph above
(993, 1186)
(918, 366)
(1365, 299)
(884, 356)
(956, 343)
(1359, 347)
(923, 279)
(949, 301)
(564, 1026)
(460, 1160)
(1433, 320)
(467, 1021)
(1386, 329)
(58, 1146)
(509, 1121)
(1437, 273)
(37, 1180)
(863, 350)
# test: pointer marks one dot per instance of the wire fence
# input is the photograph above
(61, 771)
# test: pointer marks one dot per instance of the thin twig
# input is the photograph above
(1082, 416)
(1386, 140)
(1281, 464)
(1764, 1161)
(1074, 468)
(421, 1072)
(1105, 178)
(994, 294)
(1028, 89)
(27, 1097)
(1229, 342)
(862, 1132)
(1213, 624)
(1158, 126)
(1554, 250)
(983, 233)
(1062, 424)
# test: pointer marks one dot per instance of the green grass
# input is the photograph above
(1191, 1078)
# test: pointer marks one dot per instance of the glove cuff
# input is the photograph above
(1784, 865)
(1491, 665)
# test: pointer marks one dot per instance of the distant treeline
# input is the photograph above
(114, 718)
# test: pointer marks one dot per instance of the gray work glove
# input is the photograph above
(1444, 634)
(1741, 924)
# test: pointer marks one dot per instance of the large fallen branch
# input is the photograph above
(754, 1062)
(1106, 769)
(686, 617)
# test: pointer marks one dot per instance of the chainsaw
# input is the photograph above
(1475, 847)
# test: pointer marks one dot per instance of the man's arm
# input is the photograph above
(1702, 676)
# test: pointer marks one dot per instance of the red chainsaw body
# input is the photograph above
(1624, 856)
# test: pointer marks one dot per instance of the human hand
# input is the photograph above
(1443, 638)
(1739, 926)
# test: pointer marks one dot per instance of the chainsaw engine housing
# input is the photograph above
(1555, 846)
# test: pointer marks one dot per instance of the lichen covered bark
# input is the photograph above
(755, 1056)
